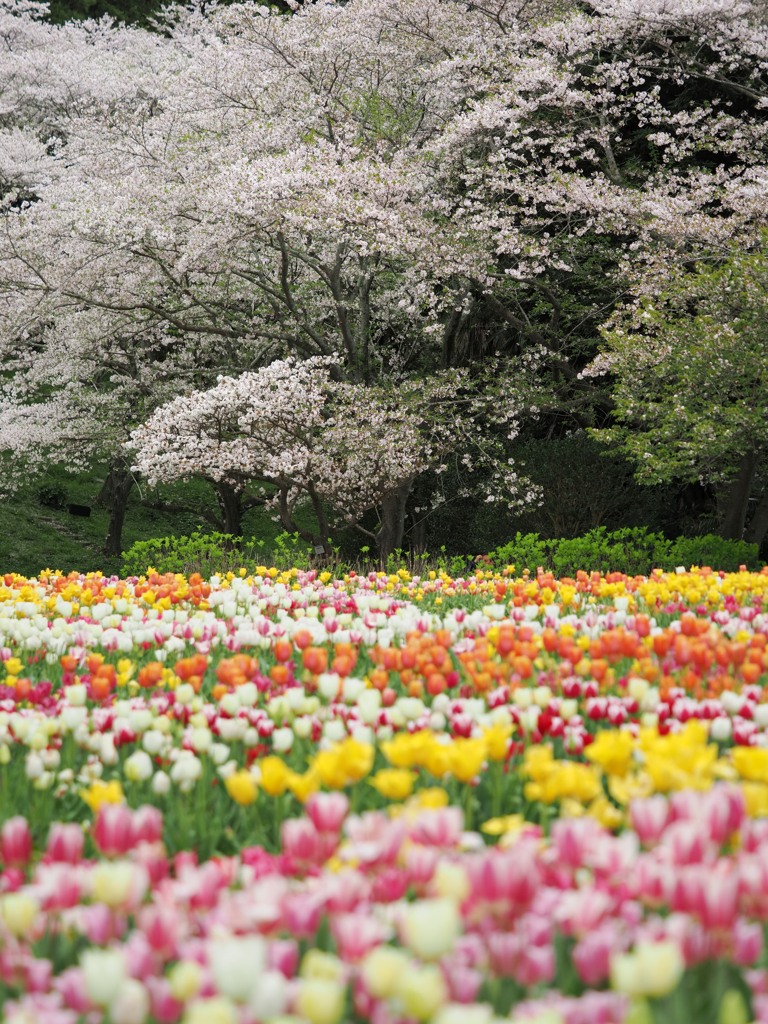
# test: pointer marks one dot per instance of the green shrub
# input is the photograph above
(52, 496)
(524, 551)
(715, 552)
(633, 550)
(213, 553)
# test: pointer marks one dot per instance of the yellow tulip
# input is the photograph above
(612, 751)
(393, 783)
(103, 793)
(242, 787)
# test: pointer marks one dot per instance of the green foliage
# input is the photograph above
(583, 486)
(213, 553)
(715, 552)
(633, 550)
(136, 11)
(524, 551)
(52, 496)
(690, 364)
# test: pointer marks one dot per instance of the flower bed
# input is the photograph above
(384, 798)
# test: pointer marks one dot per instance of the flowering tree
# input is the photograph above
(343, 448)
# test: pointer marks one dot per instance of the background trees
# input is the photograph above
(401, 187)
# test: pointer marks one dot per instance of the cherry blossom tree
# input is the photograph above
(342, 448)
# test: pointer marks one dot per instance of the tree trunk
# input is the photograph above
(390, 534)
(230, 501)
(114, 495)
(735, 514)
(758, 525)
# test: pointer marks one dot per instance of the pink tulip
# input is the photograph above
(301, 915)
(113, 830)
(724, 812)
(572, 838)
(582, 910)
(11, 879)
(37, 975)
(99, 924)
(140, 956)
(357, 934)
(420, 864)
(747, 942)
(389, 886)
(65, 843)
(685, 842)
(441, 828)
(327, 811)
(719, 906)
(592, 953)
(61, 886)
(15, 842)
(346, 890)
(301, 841)
(148, 824)
(70, 984)
(463, 983)
(512, 876)
(692, 939)
(154, 861)
(283, 956)
(208, 880)
(504, 949)
(537, 964)
(161, 925)
(649, 818)
(163, 1007)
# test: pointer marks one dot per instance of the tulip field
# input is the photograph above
(276, 796)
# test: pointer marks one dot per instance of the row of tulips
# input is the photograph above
(564, 783)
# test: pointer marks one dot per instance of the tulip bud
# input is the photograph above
(131, 1004)
(186, 978)
(210, 1011)
(19, 912)
(381, 970)
(733, 1009)
(65, 843)
(15, 842)
(422, 991)
(320, 1001)
(104, 972)
(237, 965)
(430, 927)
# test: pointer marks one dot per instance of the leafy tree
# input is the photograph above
(689, 360)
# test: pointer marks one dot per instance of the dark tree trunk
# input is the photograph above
(758, 525)
(735, 512)
(114, 496)
(392, 529)
(230, 501)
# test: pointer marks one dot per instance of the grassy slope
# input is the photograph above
(35, 537)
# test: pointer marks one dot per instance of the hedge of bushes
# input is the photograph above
(633, 550)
